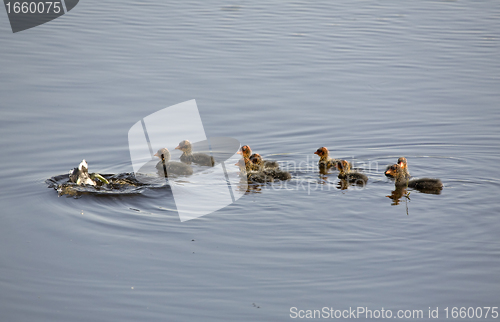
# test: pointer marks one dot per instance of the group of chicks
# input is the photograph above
(402, 177)
(167, 167)
(261, 171)
(80, 175)
(258, 170)
(344, 167)
(399, 172)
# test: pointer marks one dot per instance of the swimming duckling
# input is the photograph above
(247, 164)
(324, 158)
(246, 151)
(199, 158)
(403, 164)
(253, 176)
(424, 184)
(345, 173)
(167, 167)
(276, 173)
(81, 175)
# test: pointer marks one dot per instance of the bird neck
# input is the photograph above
(324, 158)
(165, 158)
(248, 163)
(344, 171)
(344, 168)
(401, 178)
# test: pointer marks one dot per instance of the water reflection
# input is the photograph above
(402, 191)
(344, 184)
(324, 170)
(397, 194)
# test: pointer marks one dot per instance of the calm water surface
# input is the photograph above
(370, 80)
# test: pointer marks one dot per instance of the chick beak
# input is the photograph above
(239, 152)
(316, 152)
(178, 147)
(157, 155)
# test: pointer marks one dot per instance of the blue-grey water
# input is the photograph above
(371, 80)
